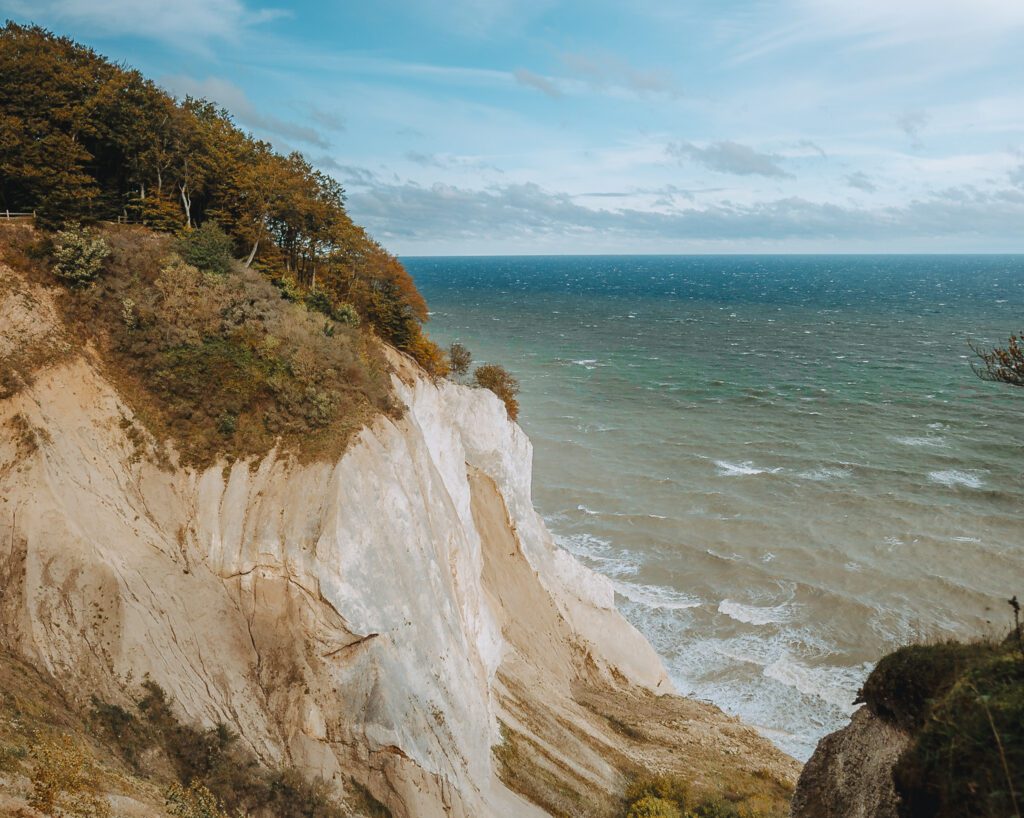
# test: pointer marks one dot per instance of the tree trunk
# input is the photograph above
(252, 254)
(186, 202)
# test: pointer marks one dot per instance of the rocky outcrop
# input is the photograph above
(850, 773)
(389, 619)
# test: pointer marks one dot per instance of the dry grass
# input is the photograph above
(218, 364)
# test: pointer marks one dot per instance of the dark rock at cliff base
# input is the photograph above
(850, 773)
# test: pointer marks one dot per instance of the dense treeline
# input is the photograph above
(83, 139)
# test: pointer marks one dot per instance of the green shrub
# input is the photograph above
(222, 775)
(459, 359)
(194, 802)
(341, 312)
(715, 808)
(123, 729)
(904, 684)
(78, 255)
(207, 247)
(11, 757)
(666, 787)
(657, 796)
(967, 761)
(501, 383)
(650, 807)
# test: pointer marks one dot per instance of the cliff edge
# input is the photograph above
(397, 619)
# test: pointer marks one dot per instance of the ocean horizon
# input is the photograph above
(784, 463)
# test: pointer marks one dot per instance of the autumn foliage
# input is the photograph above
(1003, 364)
(501, 383)
(83, 140)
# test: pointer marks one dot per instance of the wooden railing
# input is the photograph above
(11, 214)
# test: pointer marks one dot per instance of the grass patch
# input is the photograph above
(967, 758)
(905, 684)
(526, 770)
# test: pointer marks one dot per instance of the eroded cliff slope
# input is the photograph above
(399, 618)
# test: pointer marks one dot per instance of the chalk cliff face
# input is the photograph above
(850, 773)
(386, 619)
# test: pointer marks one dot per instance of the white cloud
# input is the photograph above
(520, 214)
(603, 70)
(542, 84)
(861, 181)
(913, 123)
(877, 24)
(183, 22)
(730, 157)
(230, 96)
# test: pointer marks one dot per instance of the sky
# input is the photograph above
(591, 126)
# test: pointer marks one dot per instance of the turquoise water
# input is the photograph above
(785, 464)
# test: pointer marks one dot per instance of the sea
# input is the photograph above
(785, 464)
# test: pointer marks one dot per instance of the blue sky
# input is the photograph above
(539, 126)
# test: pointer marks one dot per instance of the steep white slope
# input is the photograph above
(370, 619)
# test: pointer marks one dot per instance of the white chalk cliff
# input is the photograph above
(388, 618)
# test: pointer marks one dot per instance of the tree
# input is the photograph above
(207, 247)
(459, 359)
(501, 383)
(1002, 364)
(84, 139)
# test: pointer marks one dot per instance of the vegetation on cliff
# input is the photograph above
(216, 362)
(963, 705)
(236, 302)
(83, 139)
(64, 761)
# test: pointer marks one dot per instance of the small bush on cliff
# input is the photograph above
(195, 801)
(904, 685)
(207, 247)
(64, 781)
(78, 255)
(214, 773)
(657, 796)
(967, 758)
(459, 359)
(501, 383)
(717, 808)
(650, 807)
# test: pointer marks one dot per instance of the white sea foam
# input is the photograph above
(727, 469)
(587, 510)
(825, 474)
(956, 477)
(753, 614)
(834, 685)
(930, 441)
(599, 554)
(966, 539)
(587, 363)
(656, 596)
